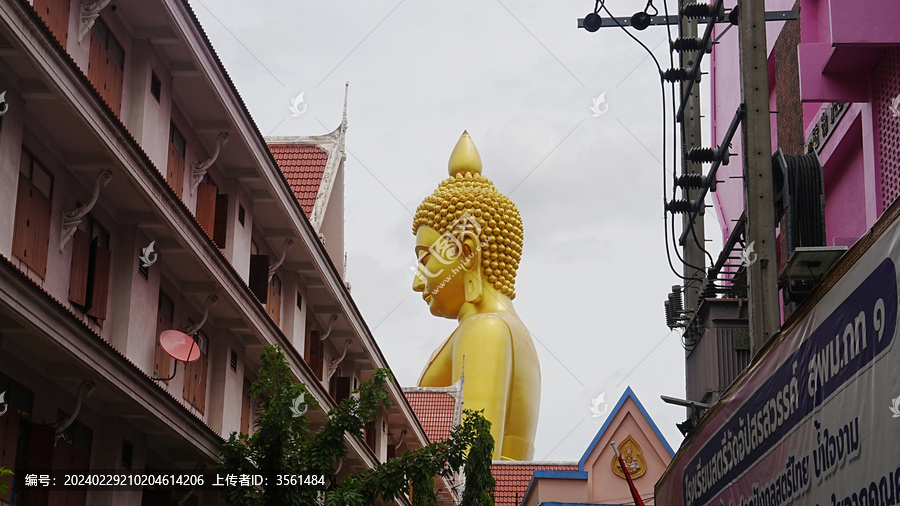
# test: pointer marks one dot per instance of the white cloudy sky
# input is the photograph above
(521, 78)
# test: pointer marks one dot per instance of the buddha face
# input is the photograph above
(439, 271)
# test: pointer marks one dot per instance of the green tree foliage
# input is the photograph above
(4, 487)
(479, 479)
(284, 444)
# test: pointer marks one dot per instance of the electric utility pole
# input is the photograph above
(694, 260)
(765, 317)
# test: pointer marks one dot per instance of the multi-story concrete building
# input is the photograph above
(137, 195)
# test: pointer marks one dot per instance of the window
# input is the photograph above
(175, 164)
(165, 316)
(258, 280)
(370, 435)
(31, 234)
(212, 211)
(246, 408)
(273, 304)
(314, 352)
(127, 454)
(339, 387)
(16, 441)
(73, 451)
(195, 376)
(91, 261)
(106, 65)
(155, 86)
(241, 214)
(55, 13)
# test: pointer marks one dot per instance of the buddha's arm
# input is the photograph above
(486, 344)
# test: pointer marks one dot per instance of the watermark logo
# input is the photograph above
(3, 402)
(449, 247)
(895, 408)
(3, 105)
(148, 256)
(299, 407)
(748, 257)
(895, 107)
(298, 106)
(599, 106)
(599, 406)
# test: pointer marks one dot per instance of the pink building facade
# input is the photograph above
(833, 78)
(597, 478)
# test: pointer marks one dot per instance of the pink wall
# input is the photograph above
(841, 42)
(595, 482)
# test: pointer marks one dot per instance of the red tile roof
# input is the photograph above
(303, 167)
(513, 479)
(434, 411)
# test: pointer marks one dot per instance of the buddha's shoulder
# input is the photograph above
(500, 323)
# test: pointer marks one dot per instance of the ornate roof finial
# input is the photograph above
(344, 118)
(465, 157)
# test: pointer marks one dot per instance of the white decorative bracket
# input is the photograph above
(399, 439)
(84, 391)
(3, 105)
(72, 218)
(148, 257)
(212, 299)
(333, 364)
(274, 267)
(200, 168)
(89, 14)
(331, 321)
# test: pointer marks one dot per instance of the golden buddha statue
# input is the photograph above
(468, 243)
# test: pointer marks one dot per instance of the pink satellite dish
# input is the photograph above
(179, 345)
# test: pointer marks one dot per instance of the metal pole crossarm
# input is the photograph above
(711, 176)
(673, 20)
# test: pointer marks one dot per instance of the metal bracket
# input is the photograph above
(200, 168)
(673, 19)
(212, 299)
(400, 438)
(89, 14)
(284, 249)
(84, 391)
(72, 218)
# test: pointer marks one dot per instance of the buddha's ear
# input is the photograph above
(471, 274)
(471, 252)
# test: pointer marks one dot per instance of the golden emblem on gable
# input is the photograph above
(633, 457)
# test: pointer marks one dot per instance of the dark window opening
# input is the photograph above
(155, 86)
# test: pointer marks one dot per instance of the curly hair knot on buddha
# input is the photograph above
(501, 233)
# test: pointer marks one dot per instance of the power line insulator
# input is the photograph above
(687, 181)
(679, 206)
(675, 309)
(683, 44)
(676, 75)
(702, 155)
(701, 10)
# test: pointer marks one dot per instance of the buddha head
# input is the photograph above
(468, 237)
